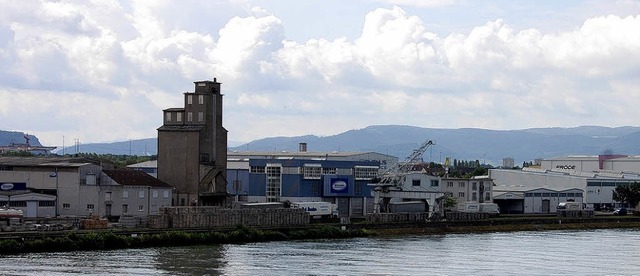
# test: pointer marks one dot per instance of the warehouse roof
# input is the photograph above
(135, 178)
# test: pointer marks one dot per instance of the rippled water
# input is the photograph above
(598, 252)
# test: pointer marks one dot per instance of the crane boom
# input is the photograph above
(393, 175)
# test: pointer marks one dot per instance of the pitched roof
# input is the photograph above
(135, 178)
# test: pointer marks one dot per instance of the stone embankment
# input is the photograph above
(217, 217)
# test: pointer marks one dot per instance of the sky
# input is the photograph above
(103, 70)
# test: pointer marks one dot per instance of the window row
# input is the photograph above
(553, 194)
(178, 115)
(315, 171)
(190, 99)
(125, 194)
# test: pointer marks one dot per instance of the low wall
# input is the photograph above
(397, 217)
(456, 216)
(576, 214)
(218, 217)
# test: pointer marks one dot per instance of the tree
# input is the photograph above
(449, 201)
(628, 193)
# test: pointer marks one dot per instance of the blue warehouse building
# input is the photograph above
(339, 178)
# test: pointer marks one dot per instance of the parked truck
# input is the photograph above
(472, 207)
(569, 206)
(317, 209)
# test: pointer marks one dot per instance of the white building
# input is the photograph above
(594, 176)
(469, 190)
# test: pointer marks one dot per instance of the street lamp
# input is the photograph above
(55, 174)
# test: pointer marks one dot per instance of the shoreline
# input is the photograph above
(112, 239)
(504, 228)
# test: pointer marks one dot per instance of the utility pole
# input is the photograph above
(57, 192)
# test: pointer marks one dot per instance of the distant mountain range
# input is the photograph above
(487, 146)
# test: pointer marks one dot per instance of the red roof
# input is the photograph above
(135, 178)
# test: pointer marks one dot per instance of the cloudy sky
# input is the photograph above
(103, 70)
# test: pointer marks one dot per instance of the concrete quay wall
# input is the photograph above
(218, 217)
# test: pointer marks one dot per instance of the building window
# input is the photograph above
(257, 169)
(365, 172)
(200, 116)
(165, 194)
(189, 99)
(125, 208)
(460, 194)
(189, 116)
(107, 196)
(415, 182)
(274, 183)
(66, 206)
(487, 197)
(201, 99)
(140, 208)
(312, 171)
(48, 203)
(450, 184)
(155, 193)
(125, 194)
(357, 188)
(460, 184)
(18, 204)
(179, 117)
(474, 196)
(90, 206)
(328, 170)
(435, 183)
(204, 157)
(140, 194)
(474, 186)
(168, 116)
(315, 188)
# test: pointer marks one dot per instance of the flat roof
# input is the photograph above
(43, 161)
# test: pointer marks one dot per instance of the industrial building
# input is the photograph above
(587, 179)
(192, 148)
(337, 177)
(75, 187)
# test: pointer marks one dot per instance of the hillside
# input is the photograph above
(489, 146)
(14, 137)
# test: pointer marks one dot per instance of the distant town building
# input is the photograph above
(192, 147)
(508, 162)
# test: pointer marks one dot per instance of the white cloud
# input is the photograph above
(104, 70)
(421, 3)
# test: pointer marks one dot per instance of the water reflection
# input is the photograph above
(599, 252)
(193, 260)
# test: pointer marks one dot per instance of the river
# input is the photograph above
(593, 252)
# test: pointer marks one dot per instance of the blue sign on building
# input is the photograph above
(9, 186)
(339, 185)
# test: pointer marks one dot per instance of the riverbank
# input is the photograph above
(114, 239)
(504, 228)
(107, 240)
